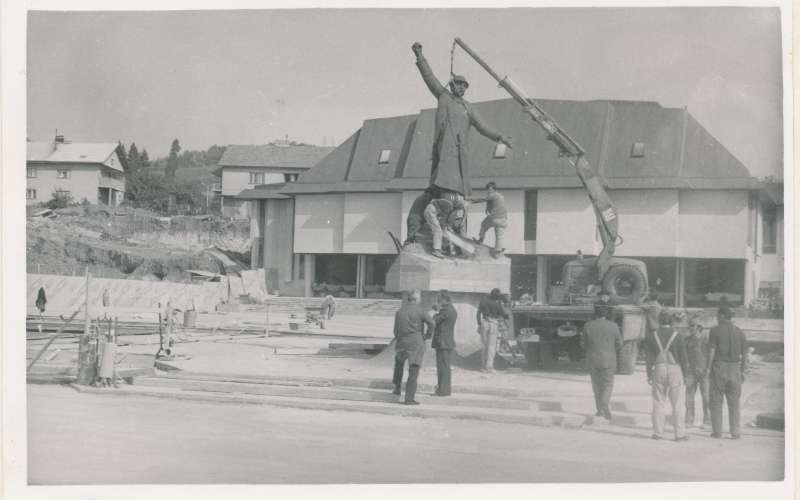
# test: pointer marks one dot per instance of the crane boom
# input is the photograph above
(605, 212)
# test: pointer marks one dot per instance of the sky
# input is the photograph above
(250, 77)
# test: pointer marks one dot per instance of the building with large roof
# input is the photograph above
(243, 167)
(88, 171)
(708, 230)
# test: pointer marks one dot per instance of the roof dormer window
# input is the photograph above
(637, 150)
(383, 158)
(499, 150)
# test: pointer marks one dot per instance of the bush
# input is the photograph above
(59, 199)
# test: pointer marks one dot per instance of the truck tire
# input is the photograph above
(625, 284)
(626, 361)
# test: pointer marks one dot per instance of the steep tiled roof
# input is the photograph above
(71, 152)
(299, 157)
(678, 152)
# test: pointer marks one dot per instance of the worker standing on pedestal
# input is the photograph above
(454, 118)
(496, 218)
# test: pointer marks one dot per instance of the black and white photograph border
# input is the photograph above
(243, 364)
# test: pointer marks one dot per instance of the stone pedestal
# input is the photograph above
(466, 281)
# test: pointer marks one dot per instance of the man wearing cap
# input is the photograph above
(441, 213)
(602, 341)
(496, 218)
(454, 119)
(409, 338)
(667, 361)
(727, 357)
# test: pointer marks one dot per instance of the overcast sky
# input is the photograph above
(249, 77)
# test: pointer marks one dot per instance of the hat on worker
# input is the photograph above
(459, 78)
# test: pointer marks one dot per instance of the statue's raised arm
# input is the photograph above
(425, 70)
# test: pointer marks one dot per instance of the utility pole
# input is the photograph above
(86, 355)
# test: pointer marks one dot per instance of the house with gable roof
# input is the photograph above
(687, 207)
(89, 171)
(243, 167)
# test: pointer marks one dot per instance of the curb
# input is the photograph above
(532, 419)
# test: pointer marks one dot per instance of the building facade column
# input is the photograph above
(541, 278)
(308, 273)
(680, 282)
(361, 275)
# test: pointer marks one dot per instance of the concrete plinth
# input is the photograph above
(422, 271)
(466, 281)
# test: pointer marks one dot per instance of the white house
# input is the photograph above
(81, 170)
(244, 167)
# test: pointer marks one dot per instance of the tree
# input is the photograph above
(172, 162)
(122, 155)
(134, 160)
(145, 159)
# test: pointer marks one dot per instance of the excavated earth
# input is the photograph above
(131, 243)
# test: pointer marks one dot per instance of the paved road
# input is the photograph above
(117, 439)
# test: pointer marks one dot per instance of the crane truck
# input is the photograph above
(544, 329)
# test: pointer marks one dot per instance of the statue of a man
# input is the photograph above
(454, 119)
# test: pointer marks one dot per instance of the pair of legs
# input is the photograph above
(668, 386)
(602, 387)
(499, 225)
(695, 381)
(489, 332)
(411, 383)
(443, 357)
(726, 383)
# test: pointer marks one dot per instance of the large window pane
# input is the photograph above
(523, 275)
(714, 282)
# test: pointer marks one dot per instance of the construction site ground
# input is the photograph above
(227, 361)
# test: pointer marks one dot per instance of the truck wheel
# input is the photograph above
(627, 357)
(625, 284)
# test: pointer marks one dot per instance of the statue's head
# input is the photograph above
(458, 85)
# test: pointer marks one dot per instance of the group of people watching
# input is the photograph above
(413, 326)
(677, 364)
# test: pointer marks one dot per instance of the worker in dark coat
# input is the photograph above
(727, 357)
(602, 340)
(454, 119)
(444, 342)
(409, 344)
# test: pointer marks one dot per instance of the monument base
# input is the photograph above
(467, 281)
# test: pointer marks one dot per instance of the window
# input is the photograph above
(30, 194)
(383, 159)
(290, 177)
(63, 173)
(531, 213)
(499, 150)
(256, 177)
(769, 243)
(637, 150)
(31, 173)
